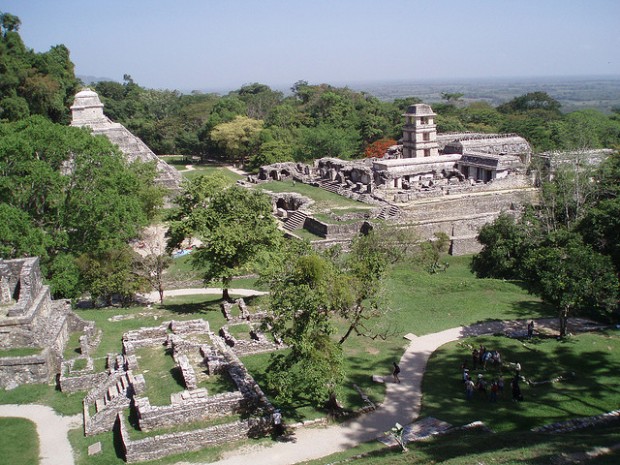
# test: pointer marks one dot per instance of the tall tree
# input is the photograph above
(234, 229)
(76, 190)
(313, 368)
(238, 138)
(572, 277)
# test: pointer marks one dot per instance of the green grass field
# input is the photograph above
(324, 200)
(586, 362)
(19, 443)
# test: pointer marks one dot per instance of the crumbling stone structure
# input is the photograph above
(453, 183)
(29, 318)
(87, 111)
(193, 346)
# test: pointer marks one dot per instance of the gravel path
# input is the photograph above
(54, 447)
(154, 296)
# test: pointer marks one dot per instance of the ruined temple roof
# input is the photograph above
(486, 143)
(86, 98)
(491, 161)
(420, 109)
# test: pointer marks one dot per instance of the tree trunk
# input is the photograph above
(346, 335)
(160, 289)
(225, 285)
(563, 322)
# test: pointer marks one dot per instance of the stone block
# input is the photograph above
(95, 448)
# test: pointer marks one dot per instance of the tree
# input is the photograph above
(505, 242)
(378, 148)
(69, 194)
(540, 102)
(572, 277)
(326, 141)
(9, 23)
(312, 369)
(238, 138)
(600, 226)
(151, 260)
(235, 228)
(186, 219)
(109, 275)
(451, 96)
(431, 251)
(270, 152)
(259, 98)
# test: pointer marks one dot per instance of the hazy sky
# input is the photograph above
(222, 44)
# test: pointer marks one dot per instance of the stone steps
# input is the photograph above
(331, 186)
(295, 221)
(388, 212)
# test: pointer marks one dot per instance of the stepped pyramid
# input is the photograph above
(87, 111)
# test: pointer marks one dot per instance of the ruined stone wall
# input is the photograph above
(187, 411)
(15, 371)
(468, 206)
(462, 218)
(328, 230)
(28, 281)
(174, 443)
(83, 382)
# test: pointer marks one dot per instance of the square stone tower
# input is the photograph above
(420, 132)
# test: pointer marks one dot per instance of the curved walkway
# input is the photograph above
(154, 296)
(54, 447)
(401, 405)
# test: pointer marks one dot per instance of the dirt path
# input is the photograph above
(154, 296)
(54, 447)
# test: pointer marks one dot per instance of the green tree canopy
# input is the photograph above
(70, 192)
(238, 138)
(235, 227)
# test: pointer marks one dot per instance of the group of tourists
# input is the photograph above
(488, 389)
(494, 388)
(491, 389)
(481, 357)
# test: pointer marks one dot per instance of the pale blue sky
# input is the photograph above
(222, 44)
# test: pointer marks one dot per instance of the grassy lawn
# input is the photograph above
(200, 170)
(63, 403)
(163, 378)
(177, 161)
(422, 303)
(325, 200)
(477, 447)
(19, 442)
(586, 362)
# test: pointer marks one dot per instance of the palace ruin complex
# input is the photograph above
(452, 183)
(34, 332)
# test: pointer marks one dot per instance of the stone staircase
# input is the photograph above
(331, 186)
(109, 399)
(295, 221)
(389, 212)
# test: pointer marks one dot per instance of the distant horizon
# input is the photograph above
(354, 84)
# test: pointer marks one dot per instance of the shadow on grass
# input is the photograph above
(532, 309)
(205, 307)
(177, 375)
(563, 380)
